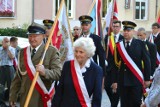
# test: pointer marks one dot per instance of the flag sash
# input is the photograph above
(129, 62)
(111, 43)
(40, 87)
(79, 85)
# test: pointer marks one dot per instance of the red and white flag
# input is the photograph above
(115, 12)
(112, 14)
(61, 38)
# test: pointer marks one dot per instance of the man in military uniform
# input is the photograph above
(141, 34)
(29, 59)
(109, 83)
(132, 78)
(85, 26)
(48, 23)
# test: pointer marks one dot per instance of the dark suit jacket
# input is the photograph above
(153, 55)
(66, 95)
(110, 61)
(99, 51)
(157, 42)
(137, 52)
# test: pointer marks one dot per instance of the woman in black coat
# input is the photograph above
(81, 80)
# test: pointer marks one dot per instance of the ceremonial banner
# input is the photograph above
(61, 38)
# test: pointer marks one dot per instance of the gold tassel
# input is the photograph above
(118, 63)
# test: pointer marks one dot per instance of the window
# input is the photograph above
(105, 4)
(69, 5)
(141, 7)
(7, 8)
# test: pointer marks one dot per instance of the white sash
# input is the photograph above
(39, 81)
(82, 84)
(129, 62)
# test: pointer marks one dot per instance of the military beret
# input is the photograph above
(128, 25)
(36, 28)
(85, 19)
(48, 23)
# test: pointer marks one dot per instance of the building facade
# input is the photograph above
(142, 12)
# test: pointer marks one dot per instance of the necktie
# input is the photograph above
(45, 40)
(33, 52)
(154, 37)
(115, 38)
(127, 46)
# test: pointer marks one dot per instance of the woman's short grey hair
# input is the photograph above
(87, 44)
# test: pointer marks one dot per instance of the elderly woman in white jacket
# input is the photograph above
(153, 98)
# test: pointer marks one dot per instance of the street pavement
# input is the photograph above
(105, 100)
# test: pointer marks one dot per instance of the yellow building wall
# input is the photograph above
(23, 16)
(129, 14)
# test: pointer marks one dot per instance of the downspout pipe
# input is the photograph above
(32, 11)
(156, 8)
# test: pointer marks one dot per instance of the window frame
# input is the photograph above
(146, 10)
(13, 9)
(71, 11)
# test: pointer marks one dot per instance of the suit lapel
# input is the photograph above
(120, 37)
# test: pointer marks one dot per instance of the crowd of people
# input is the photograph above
(132, 62)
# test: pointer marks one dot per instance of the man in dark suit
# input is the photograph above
(86, 25)
(131, 78)
(141, 34)
(155, 37)
(109, 83)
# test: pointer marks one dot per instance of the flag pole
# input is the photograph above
(93, 3)
(41, 61)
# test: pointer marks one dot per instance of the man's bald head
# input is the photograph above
(5, 42)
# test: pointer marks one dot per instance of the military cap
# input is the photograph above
(48, 23)
(85, 19)
(128, 25)
(36, 28)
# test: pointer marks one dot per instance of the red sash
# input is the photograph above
(40, 87)
(77, 85)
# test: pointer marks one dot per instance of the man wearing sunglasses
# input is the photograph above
(76, 32)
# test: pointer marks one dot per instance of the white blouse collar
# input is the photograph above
(87, 65)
